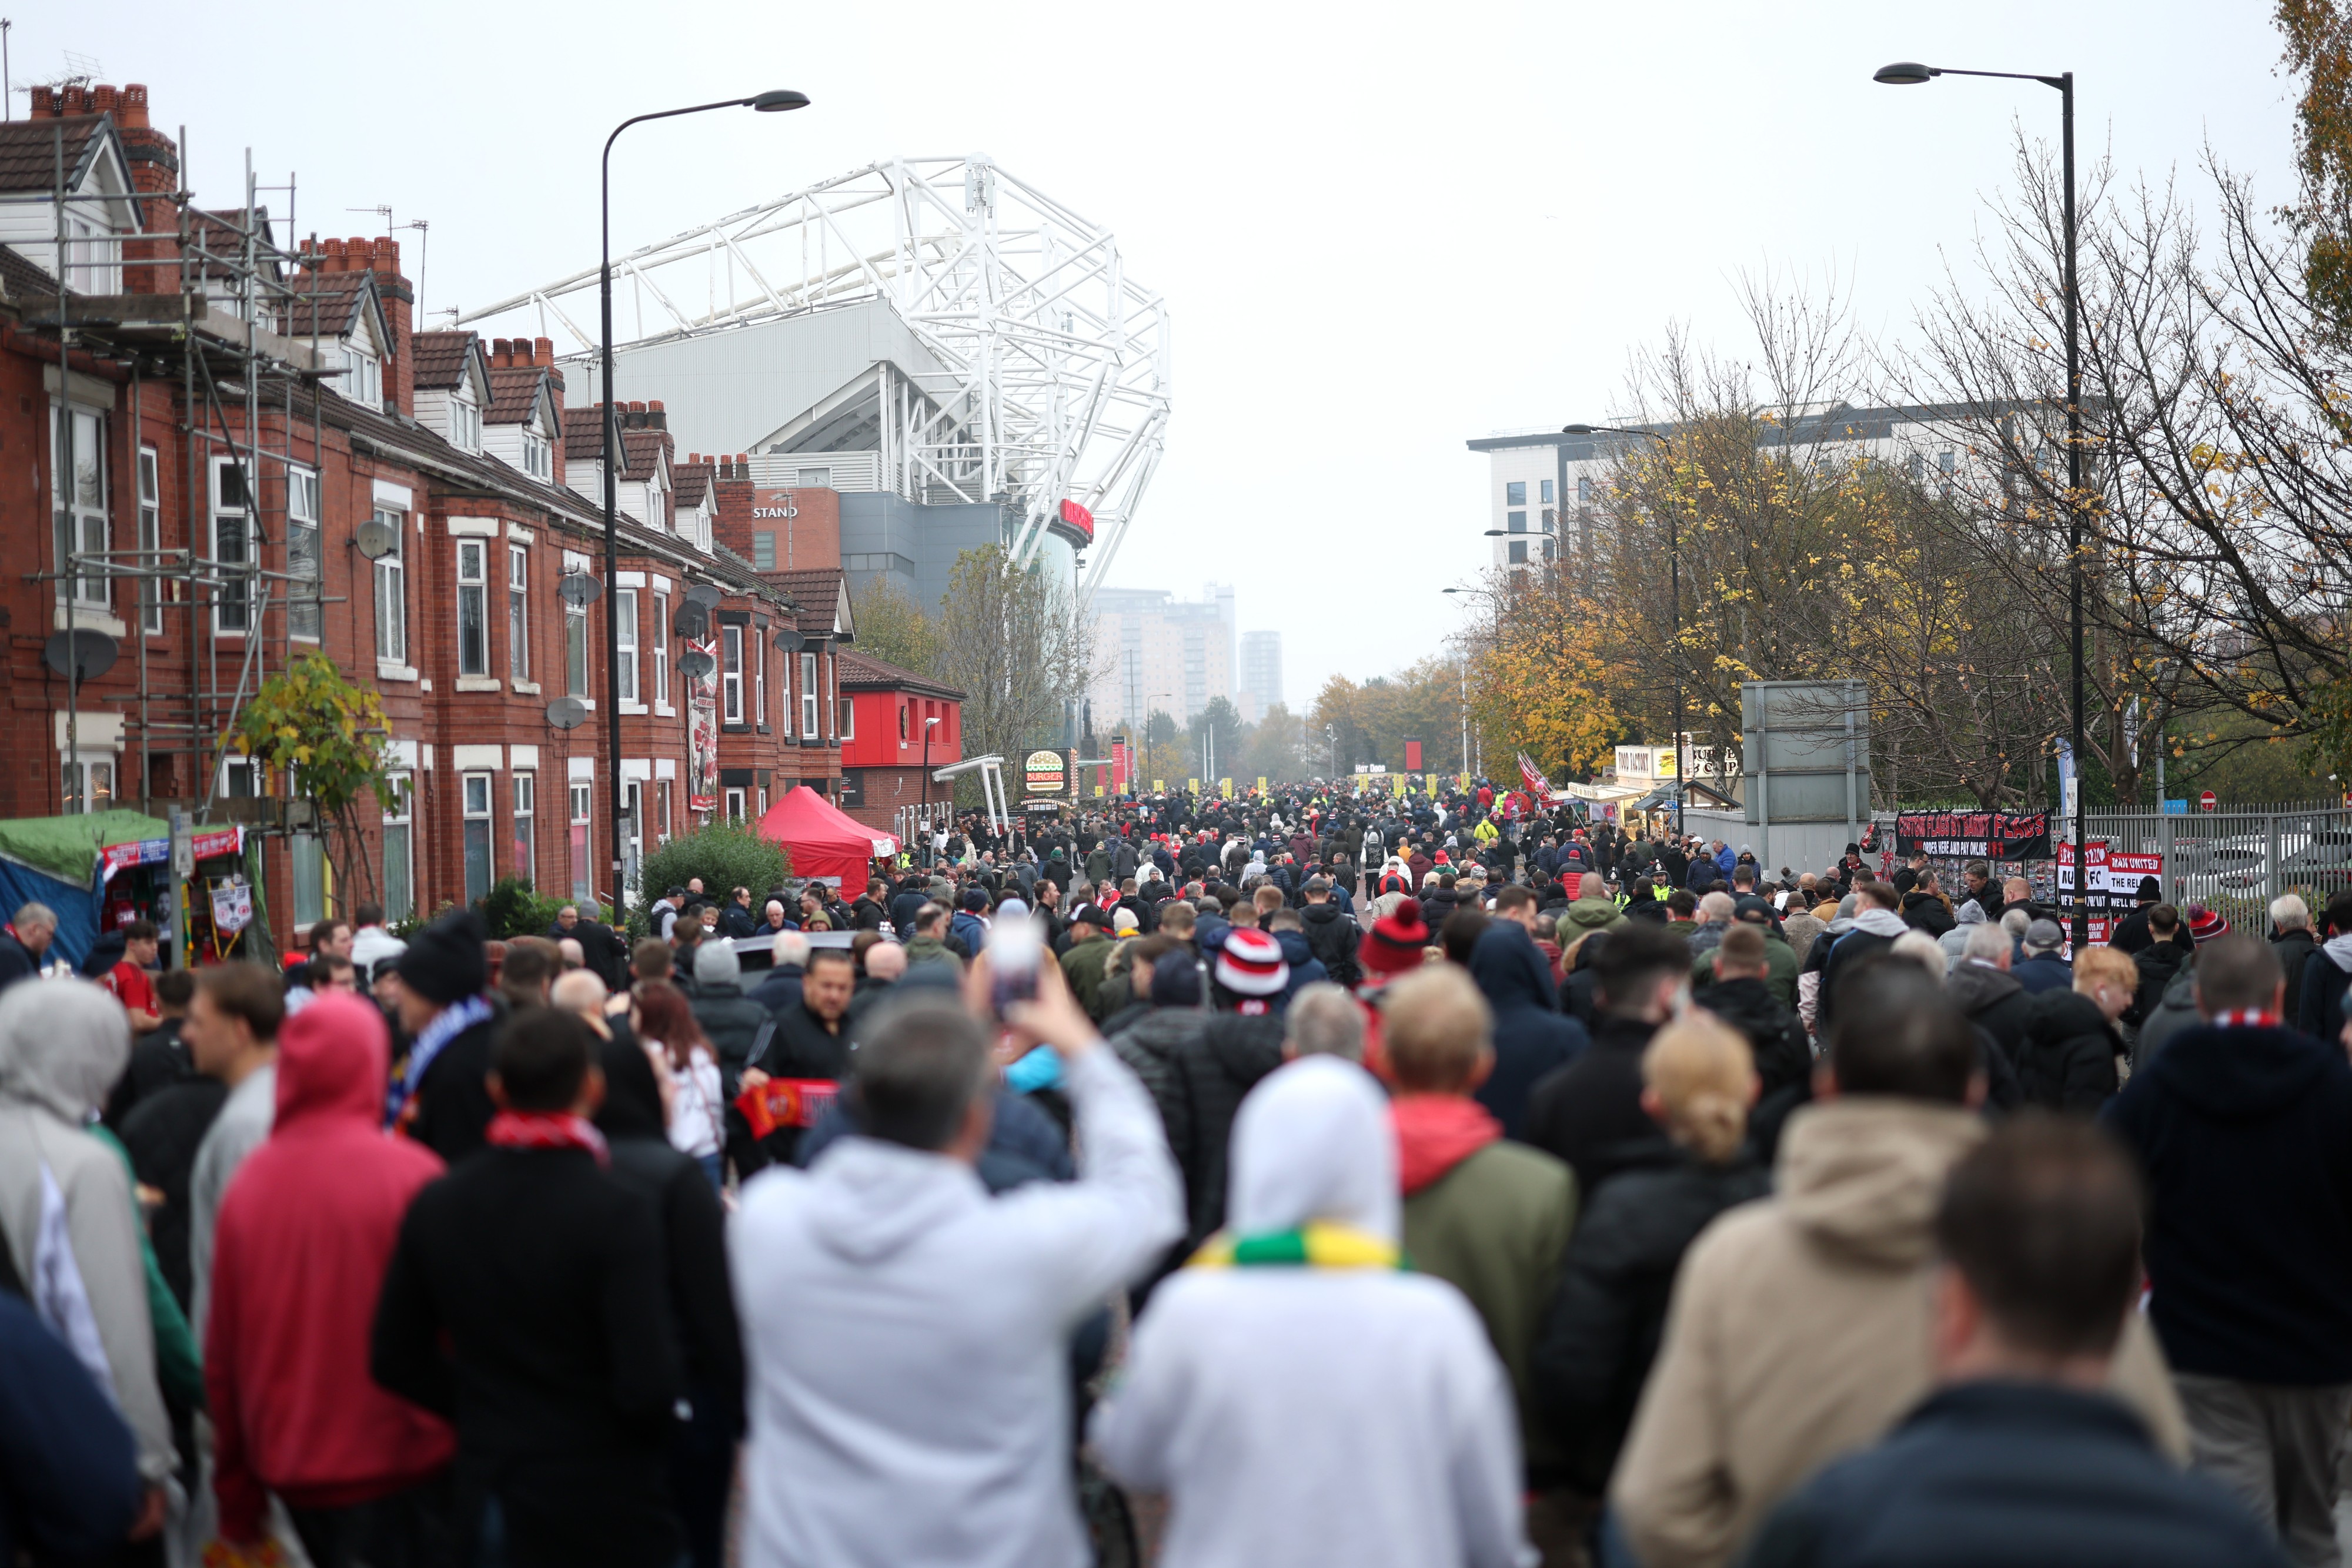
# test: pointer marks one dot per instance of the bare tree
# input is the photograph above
(1012, 638)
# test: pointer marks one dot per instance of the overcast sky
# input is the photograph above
(1380, 229)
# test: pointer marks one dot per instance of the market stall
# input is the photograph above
(103, 870)
(827, 844)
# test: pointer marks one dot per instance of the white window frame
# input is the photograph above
(661, 650)
(305, 608)
(730, 672)
(93, 256)
(231, 602)
(662, 791)
(624, 621)
(518, 611)
(75, 518)
(538, 456)
(150, 541)
(732, 801)
(525, 817)
(583, 803)
(362, 375)
(474, 597)
(76, 782)
(477, 809)
(808, 696)
(246, 771)
(398, 812)
(757, 639)
(391, 580)
(465, 417)
(844, 721)
(577, 672)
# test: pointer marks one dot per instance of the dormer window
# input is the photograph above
(538, 456)
(464, 418)
(362, 375)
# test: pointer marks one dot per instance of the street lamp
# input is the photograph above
(1910, 73)
(764, 103)
(1673, 592)
(930, 725)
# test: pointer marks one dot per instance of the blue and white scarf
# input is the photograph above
(451, 1022)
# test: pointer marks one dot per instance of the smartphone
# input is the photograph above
(1014, 950)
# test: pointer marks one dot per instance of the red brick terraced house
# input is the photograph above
(266, 458)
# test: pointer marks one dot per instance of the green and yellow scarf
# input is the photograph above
(1315, 1245)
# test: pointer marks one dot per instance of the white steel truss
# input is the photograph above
(1058, 363)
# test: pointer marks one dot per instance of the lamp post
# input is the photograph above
(1910, 73)
(930, 725)
(764, 103)
(1673, 592)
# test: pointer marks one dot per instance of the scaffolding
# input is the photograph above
(221, 325)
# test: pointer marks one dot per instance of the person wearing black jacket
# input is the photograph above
(1783, 1058)
(1589, 1112)
(443, 975)
(2291, 938)
(1987, 995)
(526, 1303)
(730, 1018)
(2239, 1127)
(2159, 962)
(2068, 1059)
(1212, 1073)
(811, 1040)
(1331, 933)
(2131, 933)
(1594, 1352)
(694, 1245)
(1531, 1039)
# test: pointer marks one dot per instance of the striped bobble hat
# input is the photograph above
(2204, 924)
(1251, 964)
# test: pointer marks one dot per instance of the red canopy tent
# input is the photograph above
(825, 844)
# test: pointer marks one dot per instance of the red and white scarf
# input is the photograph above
(547, 1129)
(2246, 1018)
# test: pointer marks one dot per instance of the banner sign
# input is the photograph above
(232, 904)
(1540, 785)
(212, 841)
(1045, 773)
(1985, 835)
(786, 1103)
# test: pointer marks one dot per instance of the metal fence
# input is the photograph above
(2237, 860)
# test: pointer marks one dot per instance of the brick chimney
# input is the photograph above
(381, 256)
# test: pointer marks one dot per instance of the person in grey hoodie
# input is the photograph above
(232, 1035)
(66, 1208)
(905, 1336)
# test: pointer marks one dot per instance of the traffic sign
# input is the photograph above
(2208, 800)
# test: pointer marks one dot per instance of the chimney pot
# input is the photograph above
(655, 406)
(101, 99)
(502, 352)
(542, 351)
(132, 114)
(75, 101)
(45, 102)
(637, 408)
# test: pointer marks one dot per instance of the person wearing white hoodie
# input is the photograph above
(906, 1335)
(1301, 1399)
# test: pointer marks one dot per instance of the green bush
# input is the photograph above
(511, 909)
(724, 855)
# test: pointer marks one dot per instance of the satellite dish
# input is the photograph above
(702, 596)
(579, 589)
(567, 713)
(788, 640)
(696, 665)
(81, 654)
(376, 538)
(690, 620)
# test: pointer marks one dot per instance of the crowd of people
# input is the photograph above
(1302, 1178)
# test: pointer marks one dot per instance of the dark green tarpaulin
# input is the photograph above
(67, 848)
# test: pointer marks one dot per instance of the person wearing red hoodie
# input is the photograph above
(298, 1258)
(1488, 1216)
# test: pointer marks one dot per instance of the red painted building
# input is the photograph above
(894, 715)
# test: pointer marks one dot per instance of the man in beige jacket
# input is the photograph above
(1799, 1330)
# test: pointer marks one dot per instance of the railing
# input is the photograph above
(2236, 862)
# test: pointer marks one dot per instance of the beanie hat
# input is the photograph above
(2204, 924)
(446, 962)
(2150, 890)
(1124, 920)
(715, 963)
(1250, 963)
(1176, 981)
(1394, 945)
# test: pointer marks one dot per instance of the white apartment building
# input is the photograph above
(1542, 486)
(1261, 673)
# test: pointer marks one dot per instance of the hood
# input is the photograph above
(1435, 1133)
(1880, 922)
(1312, 1142)
(2240, 1074)
(1294, 948)
(333, 1060)
(1593, 914)
(1318, 914)
(631, 1107)
(870, 1199)
(1511, 971)
(1974, 987)
(2064, 1015)
(62, 1045)
(2339, 951)
(2164, 956)
(1862, 1173)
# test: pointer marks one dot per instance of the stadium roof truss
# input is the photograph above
(1055, 363)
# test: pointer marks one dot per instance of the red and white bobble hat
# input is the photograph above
(1251, 964)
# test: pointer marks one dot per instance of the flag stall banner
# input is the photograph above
(1431, 783)
(206, 845)
(232, 904)
(1538, 785)
(1462, 782)
(2111, 883)
(1402, 784)
(1978, 835)
(1413, 756)
(786, 1103)
(1193, 784)
(1159, 786)
(1261, 783)
(1225, 788)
